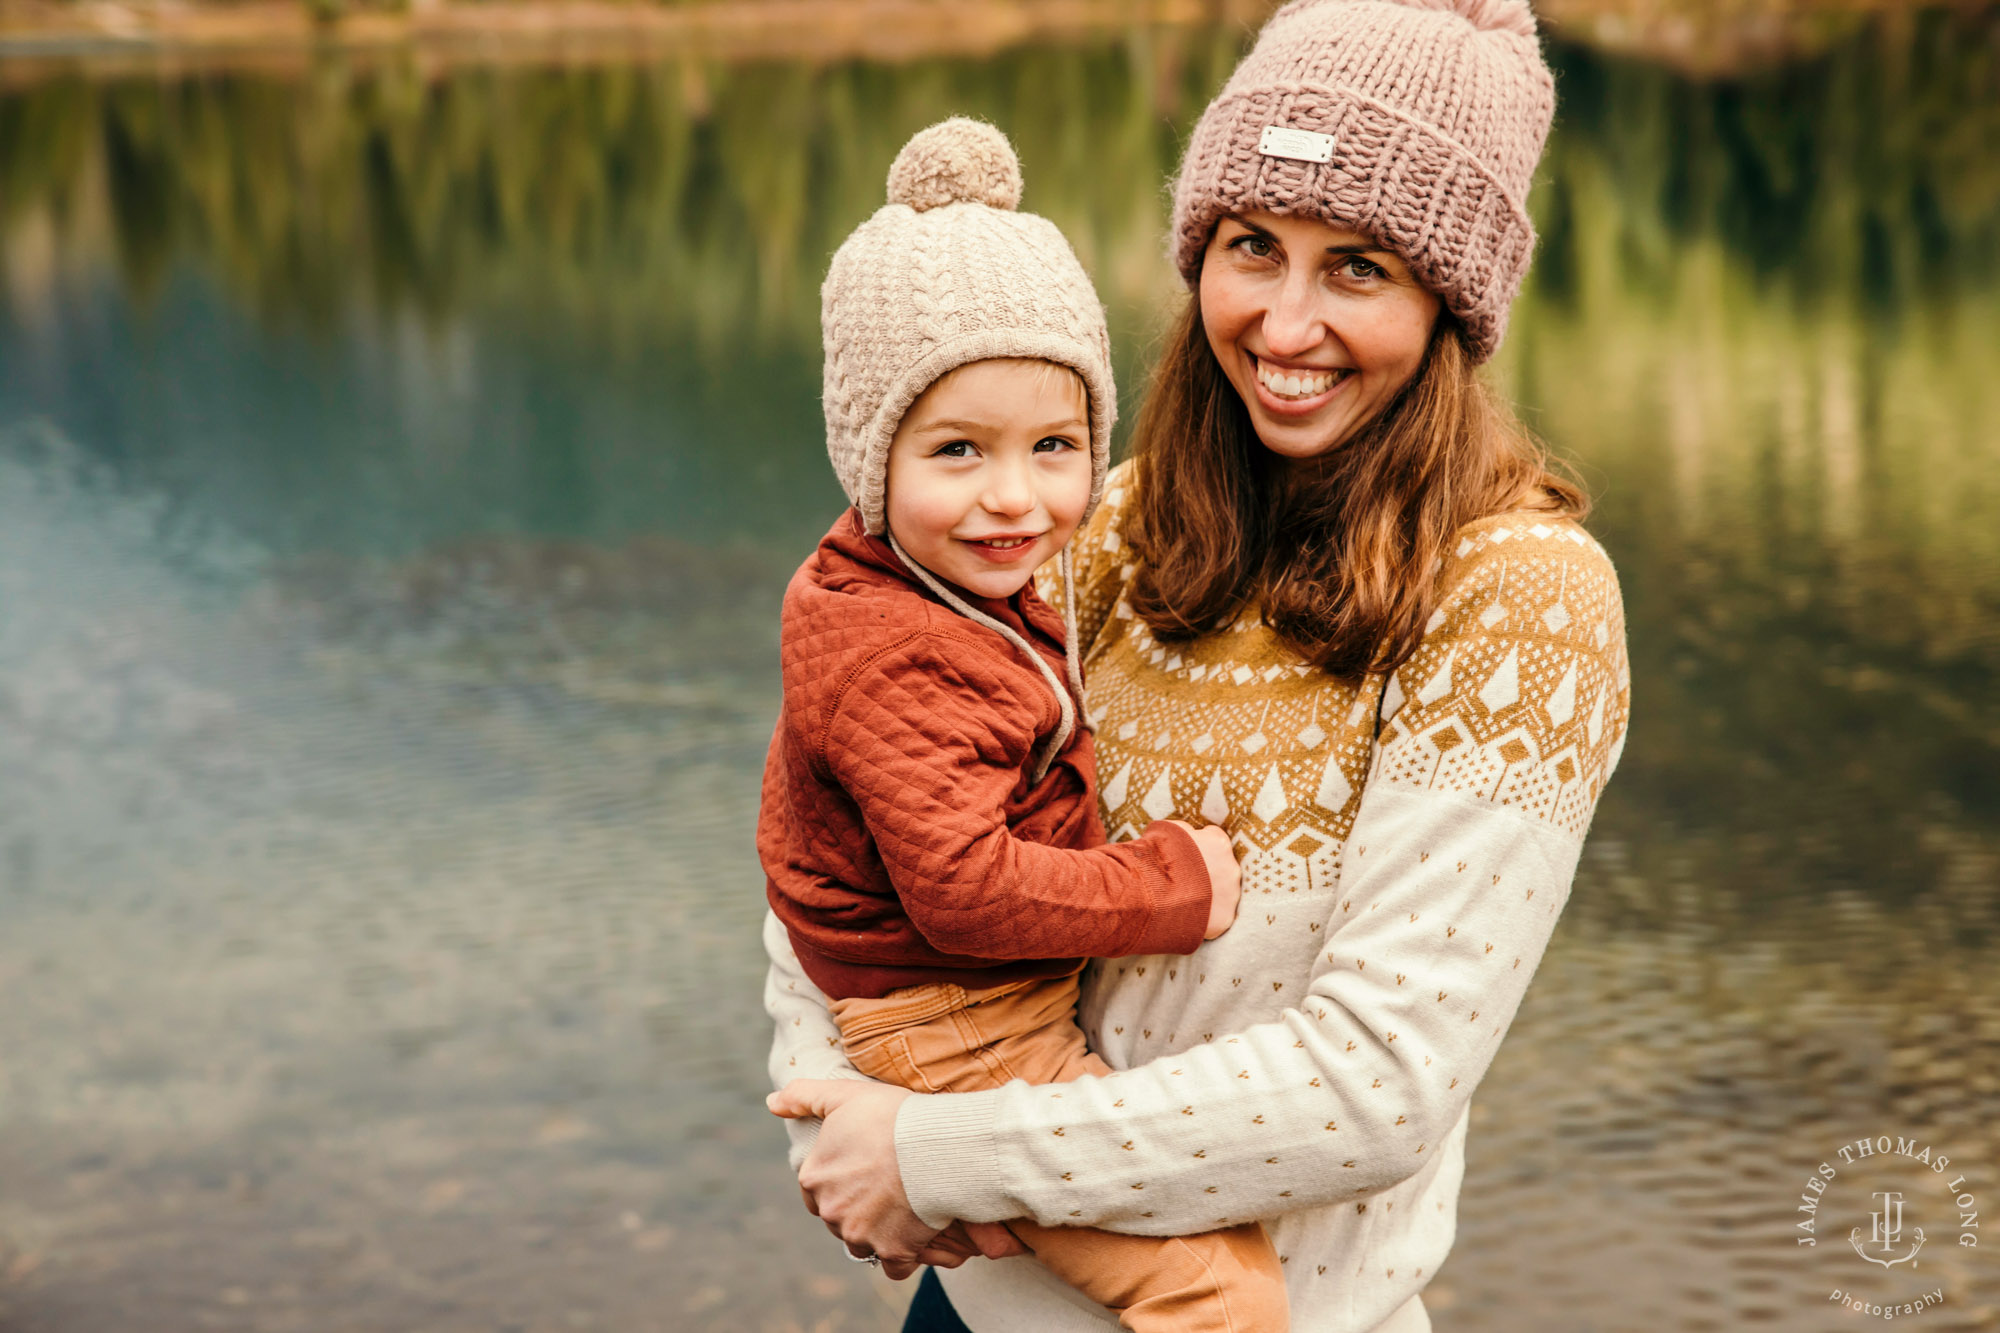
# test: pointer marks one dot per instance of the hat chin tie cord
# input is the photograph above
(1064, 700)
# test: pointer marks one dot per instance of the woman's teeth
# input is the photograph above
(1296, 383)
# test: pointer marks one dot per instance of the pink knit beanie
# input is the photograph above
(1416, 122)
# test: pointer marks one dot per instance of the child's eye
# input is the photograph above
(1052, 444)
(956, 449)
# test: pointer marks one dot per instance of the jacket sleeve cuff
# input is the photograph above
(947, 1151)
(1181, 893)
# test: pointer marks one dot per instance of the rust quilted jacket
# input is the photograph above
(901, 840)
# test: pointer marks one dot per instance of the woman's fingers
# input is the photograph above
(945, 1256)
(812, 1204)
(949, 1248)
(953, 1240)
(805, 1098)
(970, 1240)
(994, 1240)
(898, 1271)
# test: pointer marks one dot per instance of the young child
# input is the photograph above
(929, 825)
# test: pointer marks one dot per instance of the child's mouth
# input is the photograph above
(1002, 550)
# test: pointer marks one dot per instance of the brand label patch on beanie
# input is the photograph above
(1299, 145)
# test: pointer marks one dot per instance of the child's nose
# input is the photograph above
(1009, 491)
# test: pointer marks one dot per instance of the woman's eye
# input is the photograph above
(1358, 267)
(1253, 244)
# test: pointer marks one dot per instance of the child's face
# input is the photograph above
(989, 472)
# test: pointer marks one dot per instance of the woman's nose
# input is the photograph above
(1294, 324)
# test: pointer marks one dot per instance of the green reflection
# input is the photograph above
(1764, 322)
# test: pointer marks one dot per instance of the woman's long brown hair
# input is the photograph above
(1340, 554)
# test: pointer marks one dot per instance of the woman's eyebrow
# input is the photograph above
(1356, 248)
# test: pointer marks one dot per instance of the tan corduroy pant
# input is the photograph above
(944, 1038)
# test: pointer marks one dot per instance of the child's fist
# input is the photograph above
(1225, 877)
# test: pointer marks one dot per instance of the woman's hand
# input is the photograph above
(852, 1182)
(851, 1179)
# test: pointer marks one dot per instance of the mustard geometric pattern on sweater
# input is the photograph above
(1517, 697)
(1519, 692)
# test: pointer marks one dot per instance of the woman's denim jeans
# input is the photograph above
(931, 1311)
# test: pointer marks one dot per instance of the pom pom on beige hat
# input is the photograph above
(944, 274)
(1417, 122)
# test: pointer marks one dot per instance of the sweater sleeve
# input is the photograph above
(930, 745)
(805, 1043)
(1495, 740)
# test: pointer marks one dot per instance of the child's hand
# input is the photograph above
(1225, 877)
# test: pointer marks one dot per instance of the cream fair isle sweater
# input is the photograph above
(1407, 843)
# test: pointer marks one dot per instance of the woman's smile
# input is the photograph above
(1297, 390)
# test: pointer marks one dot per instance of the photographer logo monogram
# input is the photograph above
(1896, 1197)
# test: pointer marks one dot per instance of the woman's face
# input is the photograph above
(1317, 327)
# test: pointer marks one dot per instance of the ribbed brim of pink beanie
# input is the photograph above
(1416, 122)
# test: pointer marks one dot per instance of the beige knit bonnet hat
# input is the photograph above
(944, 274)
(1416, 122)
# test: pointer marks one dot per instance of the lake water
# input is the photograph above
(400, 463)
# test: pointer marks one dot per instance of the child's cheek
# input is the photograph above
(935, 512)
(923, 519)
(1067, 505)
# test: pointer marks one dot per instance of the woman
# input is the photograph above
(1337, 604)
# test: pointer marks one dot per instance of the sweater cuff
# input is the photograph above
(1181, 893)
(947, 1150)
(803, 1134)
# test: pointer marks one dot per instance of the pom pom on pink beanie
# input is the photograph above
(1416, 122)
(944, 274)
